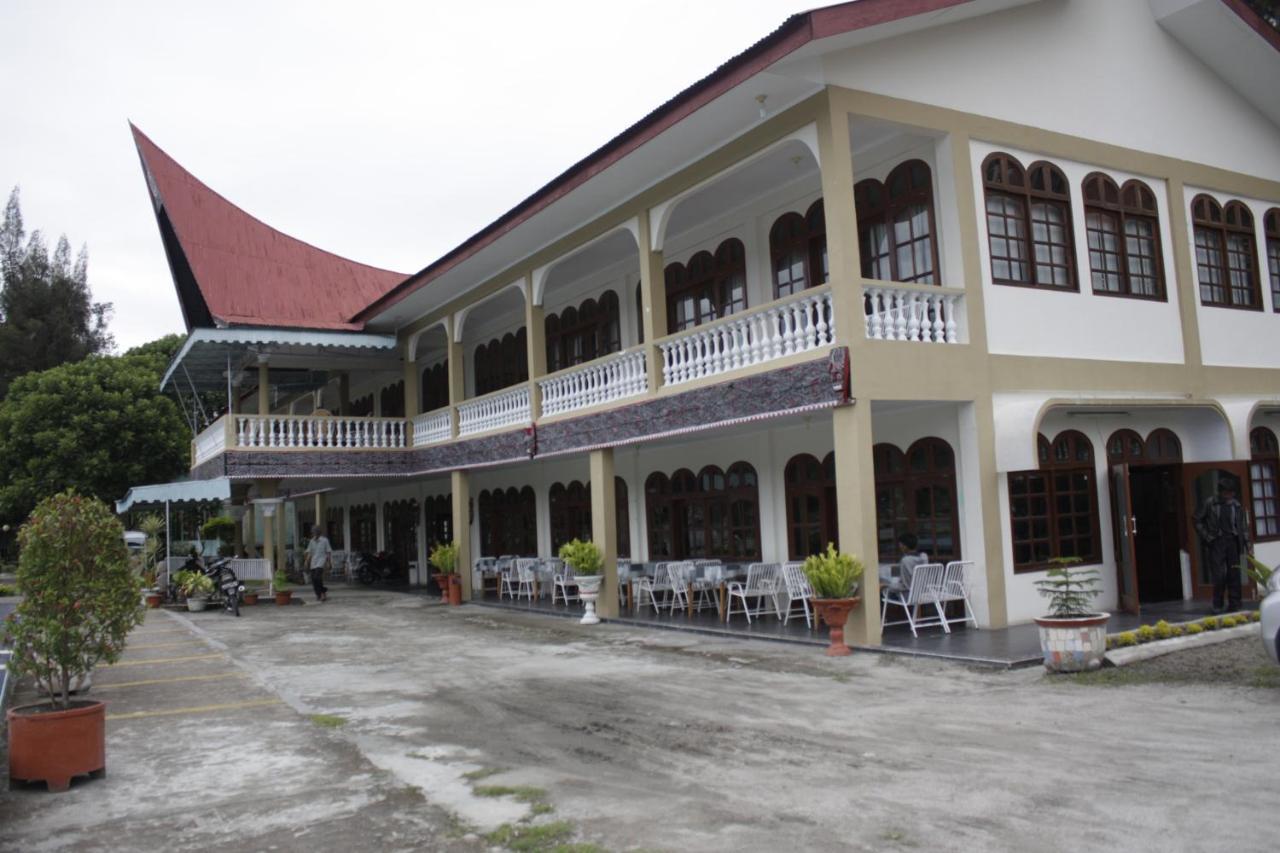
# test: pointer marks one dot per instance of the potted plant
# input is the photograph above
(834, 576)
(250, 597)
(81, 601)
(196, 587)
(445, 559)
(585, 560)
(223, 529)
(1073, 637)
(151, 526)
(283, 590)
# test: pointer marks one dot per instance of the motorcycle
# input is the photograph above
(225, 583)
(375, 568)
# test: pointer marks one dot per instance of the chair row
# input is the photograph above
(932, 585)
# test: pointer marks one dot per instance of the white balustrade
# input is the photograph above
(500, 409)
(287, 432)
(212, 442)
(601, 381)
(432, 427)
(898, 314)
(752, 337)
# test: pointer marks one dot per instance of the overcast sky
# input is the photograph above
(385, 132)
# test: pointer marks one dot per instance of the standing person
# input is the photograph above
(319, 555)
(1225, 535)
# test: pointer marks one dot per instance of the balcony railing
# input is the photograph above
(210, 443)
(308, 432)
(912, 313)
(496, 410)
(797, 324)
(601, 381)
(432, 427)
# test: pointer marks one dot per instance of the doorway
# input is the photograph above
(1156, 503)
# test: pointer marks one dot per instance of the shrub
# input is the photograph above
(1146, 634)
(1163, 631)
(6, 590)
(445, 558)
(1227, 621)
(1255, 616)
(1176, 631)
(1069, 590)
(1194, 628)
(194, 584)
(1125, 638)
(219, 527)
(833, 574)
(1210, 623)
(280, 582)
(584, 557)
(81, 596)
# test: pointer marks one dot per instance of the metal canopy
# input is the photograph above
(296, 358)
(184, 491)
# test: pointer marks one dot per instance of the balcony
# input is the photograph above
(432, 427)
(508, 407)
(311, 432)
(913, 312)
(604, 380)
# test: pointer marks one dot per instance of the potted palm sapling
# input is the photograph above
(585, 560)
(151, 526)
(81, 600)
(445, 559)
(196, 587)
(834, 576)
(1073, 636)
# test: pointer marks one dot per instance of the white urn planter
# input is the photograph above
(196, 604)
(1073, 643)
(589, 591)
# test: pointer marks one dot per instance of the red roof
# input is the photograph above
(244, 271)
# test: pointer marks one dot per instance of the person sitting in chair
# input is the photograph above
(912, 556)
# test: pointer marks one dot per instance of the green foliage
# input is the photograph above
(6, 590)
(328, 721)
(280, 582)
(1255, 616)
(445, 558)
(1257, 571)
(1146, 634)
(1193, 629)
(1210, 623)
(193, 584)
(1229, 621)
(584, 557)
(81, 597)
(1125, 638)
(1163, 630)
(47, 316)
(833, 574)
(220, 527)
(1176, 631)
(1070, 591)
(151, 526)
(99, 426)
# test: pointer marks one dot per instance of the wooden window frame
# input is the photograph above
(501, 363)
(438, 512)
(798, 485)
(694, 509)
(903, 477)
(577, 335)
(1062, 474)
(1264, 470)
(508, 522)
(708, 279)
(391, 398)
(805, 235)
(1003, 176)
(1215, 224)
(1271, 232)
(434, 387)
(1134, 202)
(363, 521)
(876, 204)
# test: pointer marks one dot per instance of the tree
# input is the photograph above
(47, 314)
(99, 426)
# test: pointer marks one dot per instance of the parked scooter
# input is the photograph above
(376, 568)
(225, 582)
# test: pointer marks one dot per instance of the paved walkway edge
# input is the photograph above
(1133, 654)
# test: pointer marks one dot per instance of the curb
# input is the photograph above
(1125, 656)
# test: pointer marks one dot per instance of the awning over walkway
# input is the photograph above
(185, 491)
(298, 359)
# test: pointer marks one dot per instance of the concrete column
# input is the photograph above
(412, 387)
(536, 337)
(271, 515)
(322, 507)
(282, 533)
(460, 486)
(653, 302)
(251, 529)
(379, 523)
(457, 380)
(604, 527)
(264, 390)
(856, 514)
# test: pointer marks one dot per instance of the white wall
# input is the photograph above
(1100, 69)
(1035, 322)
(1230, 337)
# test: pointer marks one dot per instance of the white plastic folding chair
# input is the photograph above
(563, 585)
(923, 590)
(955, 587)
(795, 589)
(761, 585)
(548, 568)
(650, 586)
(518, 581)
(624, 574)
(680, 574)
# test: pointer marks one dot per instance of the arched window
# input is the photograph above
(508, 522)
(364, 527)
(1264, 472)
(435, 386)
(1054, 509)
(1125, 445)
(578, 335)
(400, 531)
(1163, 447)
(896, 225)
(439, 520)
(1124, 238)
(1029, 223)
(1225, 264)
(711, 515)
(333, 528)
(502, 363)
(811, 505)
(362, 406)
(570, 513)
(707, 287)
(916, 493)
(392, 399)
(798, 250)
(639, 312)
(1271, 222)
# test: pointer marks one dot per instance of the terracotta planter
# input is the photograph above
(835, 612)
(154, 599)
(249, 599)
(283, 598)
(55, 746)
(1073, 644)
(455, 589)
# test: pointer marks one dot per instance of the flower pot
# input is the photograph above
(455, 590)
(196, 603)
(588, 591)
(54, 746)
(835, 612)
(1073, 643)
(249, 599)
(154, 599)
(284, 597)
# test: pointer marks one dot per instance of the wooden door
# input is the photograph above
(1126, 533)
(1199, 483)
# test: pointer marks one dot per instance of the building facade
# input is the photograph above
(1004, 274)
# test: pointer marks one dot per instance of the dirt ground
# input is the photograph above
(1235, 663)
(472, 728)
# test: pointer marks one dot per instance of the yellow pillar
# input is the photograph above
(604, 528)
(460, 484)
(856, 514)
(251, 529)
(264, 390)
(653, 301)
(457, 381)
(536, 338)
(271, 511)
(322, 507)
(412, 387)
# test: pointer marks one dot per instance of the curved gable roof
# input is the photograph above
(231, 269)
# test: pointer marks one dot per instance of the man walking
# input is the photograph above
(1225, 536)
(319, 554)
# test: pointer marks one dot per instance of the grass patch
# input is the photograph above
(328, 721)
(6, 590)
(544, 838)
(540, 809)
(523, 793)
(482, 773)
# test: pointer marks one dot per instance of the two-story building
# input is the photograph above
(1001, 273)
